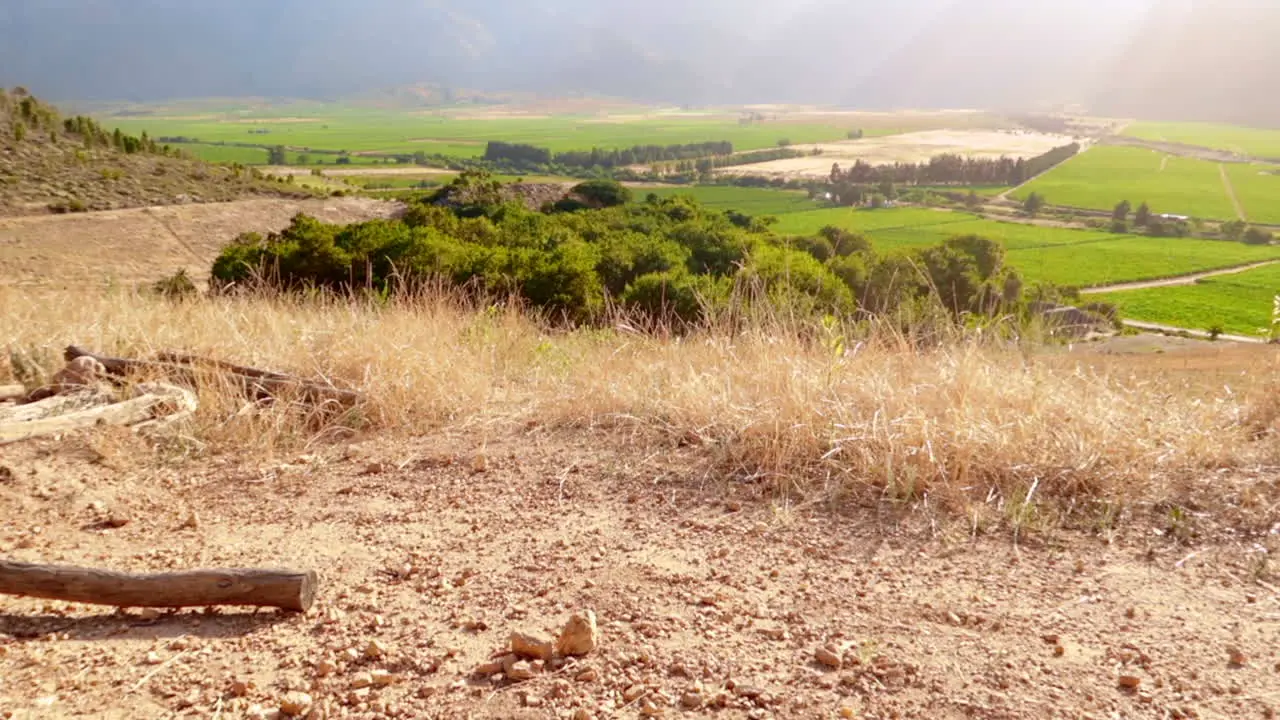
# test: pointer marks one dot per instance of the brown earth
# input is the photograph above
(708, 592)
(89, 250)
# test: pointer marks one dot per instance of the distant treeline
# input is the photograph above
(954, 170)
(522, 155)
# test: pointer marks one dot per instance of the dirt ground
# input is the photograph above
(712, 600)
(90, 250)
(907, 148)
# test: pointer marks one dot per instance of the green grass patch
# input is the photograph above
(865, 221)
(1131, 258)
(1257, 188)
(224, 153)
(751, 201)
(367, 130)
(1250, 141)
(1101, 177)
(1240, 304)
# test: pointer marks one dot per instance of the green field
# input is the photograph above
(368, 130)
(866, 221)
(1257, 188)
(1249, 141)
(1131, 258)
(1101, 177)
(225, 154)
(1241, 304)
(750, 201)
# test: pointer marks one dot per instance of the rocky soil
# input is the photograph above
(710, 598)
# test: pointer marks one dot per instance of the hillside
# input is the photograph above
(1177, 59)
(52, 164)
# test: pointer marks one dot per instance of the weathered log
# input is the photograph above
(287, 589)
(258, 384)
(121, 413)
(12, 392)
(83, 398)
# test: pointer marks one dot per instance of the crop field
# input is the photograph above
(1240, 304)
(751, 201)
(810, 222)
(1257, 187)
(1249, 141)
(224, 153)
(1105, 175)
(363, 130)
(1131, 258)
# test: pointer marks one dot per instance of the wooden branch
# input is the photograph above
(55, 405)
(121, 413)
(258, 384)
(12, 392)
(287, 589)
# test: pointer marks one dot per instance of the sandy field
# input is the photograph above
(907, 148)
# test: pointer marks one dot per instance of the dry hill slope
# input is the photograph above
(52, 164)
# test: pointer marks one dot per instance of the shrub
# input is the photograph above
(1258, 236)
(603, 193)
(177, 286)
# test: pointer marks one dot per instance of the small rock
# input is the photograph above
(691, 700)
(192, 522)
(580, 635)
(582, 714)
(1059, 651)
(375, 650)
(361, 680)
(150, 614)
(650, 709)
(848, 713)
(295, 704)
(829, 657)
(588, 675)
(632, 693)
(493, 667)
(1129, 682)
(383, 678)
(351, 654)
(152, 658)
(325, 668)
(239, 688)
(1236, 657)
(531, 646)
(519, 670)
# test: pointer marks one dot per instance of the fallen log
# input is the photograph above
(257, 384)
(54, 405)
(286, 589)
(12, 392)
(128, 412)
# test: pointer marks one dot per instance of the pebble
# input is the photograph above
(518, 670)
(829, 657)
(632, 693)
(691, 700)
(582, 714)
(361, 680)
(1236, 657)
(382, 678)
(152, 658)
(649, 709)
(325, 668)
(1129, 682)
(295, 704)
(588, 675)
(375, 650)
(531, 646)
(580, 635)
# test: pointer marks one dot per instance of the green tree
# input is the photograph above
(1122, 211)
(277, 155)
(1033, 204)
(1258, 236)
(1142, 217)
(603, 193)
(1234, 230)
(972, 200)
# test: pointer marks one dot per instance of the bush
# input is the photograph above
(177, 286)
(1258, 236)
(603, 193)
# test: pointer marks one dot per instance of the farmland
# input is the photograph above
(1126, 259)
(1257, 187)
(1103, 176)
(1248, 141)
(1239, 304)
(353, 130)
(751, 201)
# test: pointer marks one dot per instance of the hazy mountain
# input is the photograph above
(1178, 58)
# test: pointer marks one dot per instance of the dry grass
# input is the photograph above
(959, 425)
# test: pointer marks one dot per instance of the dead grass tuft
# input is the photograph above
(960, 424)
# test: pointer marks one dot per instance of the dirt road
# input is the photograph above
(88, 250)
(1176, 281)
(1231, 192)
(711, 599)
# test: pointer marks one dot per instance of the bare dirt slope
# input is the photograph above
(88, 250)
(712, 601)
